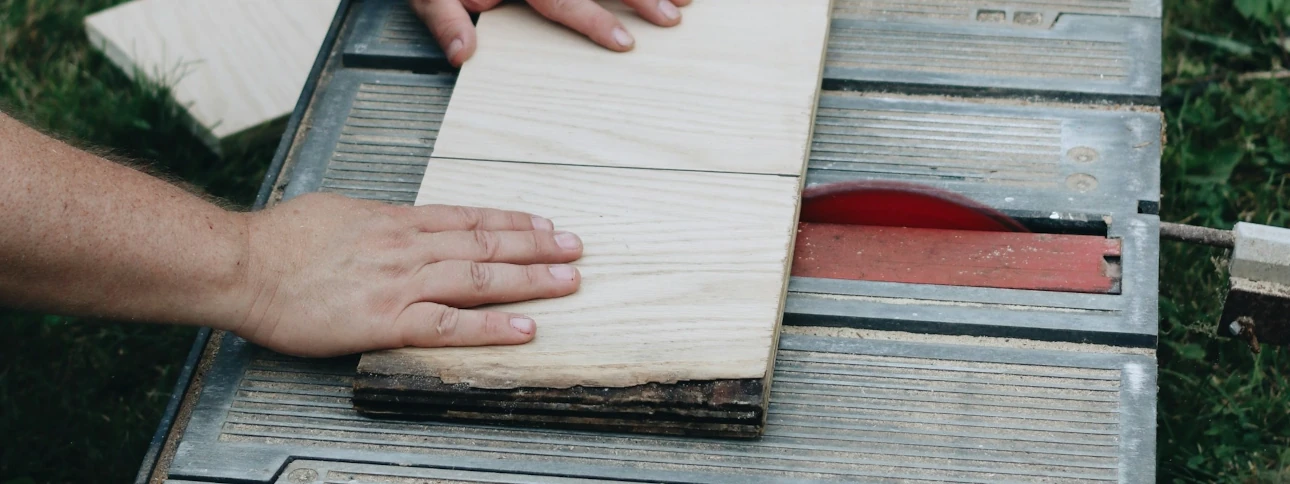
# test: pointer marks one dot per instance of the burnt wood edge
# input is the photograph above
(711, 394)
(736, 430)
(715, 408)
(636, 412)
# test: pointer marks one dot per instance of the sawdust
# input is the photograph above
(963, 340)
(1261, 287)
(1098, 105)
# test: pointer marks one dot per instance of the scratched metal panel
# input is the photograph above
(1021, 159)
(841, 410)
(372, 136)
(387, 34)
(1079, 57)
(1068, 49)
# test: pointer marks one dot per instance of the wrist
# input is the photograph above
(225, 282)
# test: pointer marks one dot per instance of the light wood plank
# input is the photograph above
(234, 65)
(731, 89)
(683, 276)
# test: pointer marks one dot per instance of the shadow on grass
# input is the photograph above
(79, 400)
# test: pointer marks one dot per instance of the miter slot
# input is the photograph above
(841, 410)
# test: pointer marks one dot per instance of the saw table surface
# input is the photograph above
(1044, 111)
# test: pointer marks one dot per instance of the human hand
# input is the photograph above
(449, 21)
(330, 275)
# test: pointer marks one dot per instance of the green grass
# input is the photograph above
(1224, 412)
(79, 400)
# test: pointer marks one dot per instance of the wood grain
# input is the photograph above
(234, 65)
(683, 276)
(731, 89)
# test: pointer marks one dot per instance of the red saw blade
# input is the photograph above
(896, 204)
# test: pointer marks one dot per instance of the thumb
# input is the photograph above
(451, 26)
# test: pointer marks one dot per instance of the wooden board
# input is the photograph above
(731, 89)
(234, 65)
(682, 276)
(680, 165)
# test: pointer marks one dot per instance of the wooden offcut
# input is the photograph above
(680, 165)
(235, 67)
(731, 89)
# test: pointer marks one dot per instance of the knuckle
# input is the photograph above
(489, 244)
(480, 276)
(447, 320)
(540, 243)
(533, 276)
(563, 5)
(470, 216)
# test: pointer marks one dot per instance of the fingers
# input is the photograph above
(451, 26)
(588, 18)
(477, 6)
(429, 325)
(461, 283)
(439, 218)
(512, 247)
(660, 12)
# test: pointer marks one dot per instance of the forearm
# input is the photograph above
(81, 235)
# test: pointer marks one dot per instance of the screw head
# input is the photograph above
(1083, 154)
(1235, 328)
(1081, 182)
(302, 476)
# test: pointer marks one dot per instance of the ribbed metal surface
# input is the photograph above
(832, 415)
(968, 9)
(324, 472)
(877, 47)
(943, 146)
(1071, 48)
(386, 34)
(388, 127)
(401, 26)
(387, 137)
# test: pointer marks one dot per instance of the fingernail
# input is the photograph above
(567, 241)
(668, 10)
(541, 223)
(523, 325)
(563, 272)
(622, 37)
(454, 47)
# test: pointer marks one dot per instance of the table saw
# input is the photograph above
(1043, 111)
